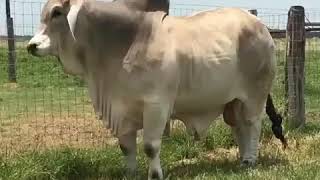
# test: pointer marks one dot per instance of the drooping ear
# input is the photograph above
(72, 15)
(144, 49)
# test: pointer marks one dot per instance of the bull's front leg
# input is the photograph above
(155, 116)
(128, 146)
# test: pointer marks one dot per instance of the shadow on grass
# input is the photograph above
(109, 164)
(223, 167)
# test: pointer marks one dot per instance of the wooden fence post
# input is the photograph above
(295, 59)
(11, 46)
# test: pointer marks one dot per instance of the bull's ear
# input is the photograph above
(72, 14)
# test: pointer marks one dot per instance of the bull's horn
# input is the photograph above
(72, 18)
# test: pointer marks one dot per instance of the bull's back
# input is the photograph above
(208, 49)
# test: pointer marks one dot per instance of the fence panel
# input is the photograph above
(312, 69)
(47, 108)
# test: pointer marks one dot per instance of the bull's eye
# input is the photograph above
(55, 14)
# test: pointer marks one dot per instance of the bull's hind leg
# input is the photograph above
(232, 115)
(155, 116)
(249, 129)
(246, 127)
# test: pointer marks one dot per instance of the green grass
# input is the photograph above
(312, 76)
(182, 158)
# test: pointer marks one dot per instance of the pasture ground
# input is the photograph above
(182, 158)
(48, 131)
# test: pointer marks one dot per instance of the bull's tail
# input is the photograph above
(276, 120)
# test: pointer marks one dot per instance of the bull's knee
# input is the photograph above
(150, 150)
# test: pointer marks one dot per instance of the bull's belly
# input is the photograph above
(197, 111)
(207, 96)
(201, 103)
(197, 107)
(207, 83)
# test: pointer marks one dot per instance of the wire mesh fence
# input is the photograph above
(312, 65)
(47, 108)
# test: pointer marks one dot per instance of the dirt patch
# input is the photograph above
(11, 86)
(39, 134)
(50, 132)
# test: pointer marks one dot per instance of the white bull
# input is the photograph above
(145, 67)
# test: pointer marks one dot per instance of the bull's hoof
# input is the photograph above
(131, 173)
(155, 175)
(247, 163)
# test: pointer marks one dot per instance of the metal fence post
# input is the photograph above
(295, 60)
(11, 46)
(167, 130)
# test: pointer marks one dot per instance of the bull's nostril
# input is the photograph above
(31, 48)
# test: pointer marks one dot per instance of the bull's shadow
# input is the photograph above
(222, 167)
(197, 164)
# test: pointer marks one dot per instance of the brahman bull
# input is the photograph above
(144, 67)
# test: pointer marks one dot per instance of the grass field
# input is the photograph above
(48, 131)
(213, 158)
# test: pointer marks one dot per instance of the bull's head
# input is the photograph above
(56, 33)
(58, 19)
